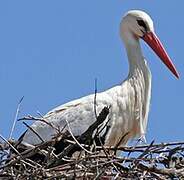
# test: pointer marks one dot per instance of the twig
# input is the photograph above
(95, 103)
(120, 141)
(169, 172)
(140, 161)
(29, 127)
(77, 142)
(11, 146)
(86, 136)
(16, 116)
(146, 151)
(29, 117)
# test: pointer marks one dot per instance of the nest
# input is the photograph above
(86, 158)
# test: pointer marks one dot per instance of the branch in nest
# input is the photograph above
(84, 138)
(152, 161)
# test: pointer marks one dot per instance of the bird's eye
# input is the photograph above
(142, 23)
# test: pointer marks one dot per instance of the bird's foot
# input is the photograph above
(142, 139)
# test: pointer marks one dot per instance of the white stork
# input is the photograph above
(129, 101)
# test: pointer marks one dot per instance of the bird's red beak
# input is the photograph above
(153, 41)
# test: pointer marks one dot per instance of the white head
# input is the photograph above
(137, 24)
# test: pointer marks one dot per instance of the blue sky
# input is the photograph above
(51, 52)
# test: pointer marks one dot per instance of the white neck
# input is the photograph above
(139, 77)
(134, 53)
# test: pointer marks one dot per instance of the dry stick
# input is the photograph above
(29, 164)
(136, 148)
(30, 152)
(35, 163)
(157, 176)
(95, 104)
(148, 167)
(143, 154)
(85, 136)
(140, 148)
(161, 145)
(87, 164)
(168, 172)
(40, 114)
(16, 116)
(83, 170)
(117, 145)
(13, 161)
(77, 142)
(66, 167)
(133, 149)
(146, 150)
(167, 150)
(173, 151)
(29, 127)
(133, 172)
(95, 111)
(14, 149)
(11, 146)
(100, 165)
(103, 148)
(36, 149)
(29, 117)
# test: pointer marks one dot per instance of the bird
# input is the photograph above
(129, 101)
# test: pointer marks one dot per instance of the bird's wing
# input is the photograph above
(78, 113)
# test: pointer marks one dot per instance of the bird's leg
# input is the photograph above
(142, 139)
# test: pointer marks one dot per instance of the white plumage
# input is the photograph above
(129, 101)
